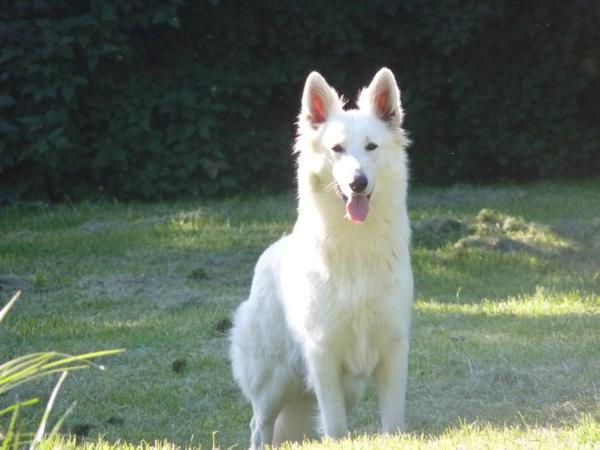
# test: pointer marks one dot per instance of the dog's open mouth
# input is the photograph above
(357, 205)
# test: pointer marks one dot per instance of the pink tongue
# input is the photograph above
(357, 207)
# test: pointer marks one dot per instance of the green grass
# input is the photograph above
(505, 336)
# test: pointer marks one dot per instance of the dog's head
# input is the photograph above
(347, 150)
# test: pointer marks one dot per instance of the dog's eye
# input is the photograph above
(371, 146)
(337, 148)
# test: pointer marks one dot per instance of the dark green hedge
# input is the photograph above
(150, 99)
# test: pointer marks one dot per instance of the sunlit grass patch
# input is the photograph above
(475, 435)
(542, 302)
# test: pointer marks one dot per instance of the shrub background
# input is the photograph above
(154, 99)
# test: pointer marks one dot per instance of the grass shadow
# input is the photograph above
(527, 359)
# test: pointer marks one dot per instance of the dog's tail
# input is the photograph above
(297, 421)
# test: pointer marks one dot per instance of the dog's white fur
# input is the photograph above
(330, 304)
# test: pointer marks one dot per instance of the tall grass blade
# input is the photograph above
(6, 307)
(57, 426)
(40, 431)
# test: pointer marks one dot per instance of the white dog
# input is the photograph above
(330, 304)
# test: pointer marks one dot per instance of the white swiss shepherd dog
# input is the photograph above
(330, 304)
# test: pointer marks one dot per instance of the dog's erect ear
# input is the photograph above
(383, 98)
(319, 100)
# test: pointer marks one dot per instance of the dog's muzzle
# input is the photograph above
(357, 203)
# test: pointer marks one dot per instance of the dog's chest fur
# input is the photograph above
(348, 309)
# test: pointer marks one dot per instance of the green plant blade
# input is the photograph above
(11, 436)
(41, 375)
(36, 365)
(11, 408)
(85, 357)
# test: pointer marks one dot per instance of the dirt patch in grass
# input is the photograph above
(115, 421)
(223, 326)
(162, 291)
(199, 274)
(179, 365)
(438, 231)
(10, 283)
(493, 231)
(493, 243)
(490, 231)
(176, 280)
(81, 429)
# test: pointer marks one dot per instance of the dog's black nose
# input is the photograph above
(360, 182)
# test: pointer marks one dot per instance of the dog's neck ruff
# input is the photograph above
(322, 215)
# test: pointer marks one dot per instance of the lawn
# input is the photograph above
(505, 337)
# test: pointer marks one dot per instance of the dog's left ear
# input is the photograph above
(383, 98)
(319, 100)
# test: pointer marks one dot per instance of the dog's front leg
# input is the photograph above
(390, 376)
(326, 379)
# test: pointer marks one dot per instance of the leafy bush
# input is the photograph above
(149, 98)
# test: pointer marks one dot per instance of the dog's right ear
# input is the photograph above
(319, 100)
